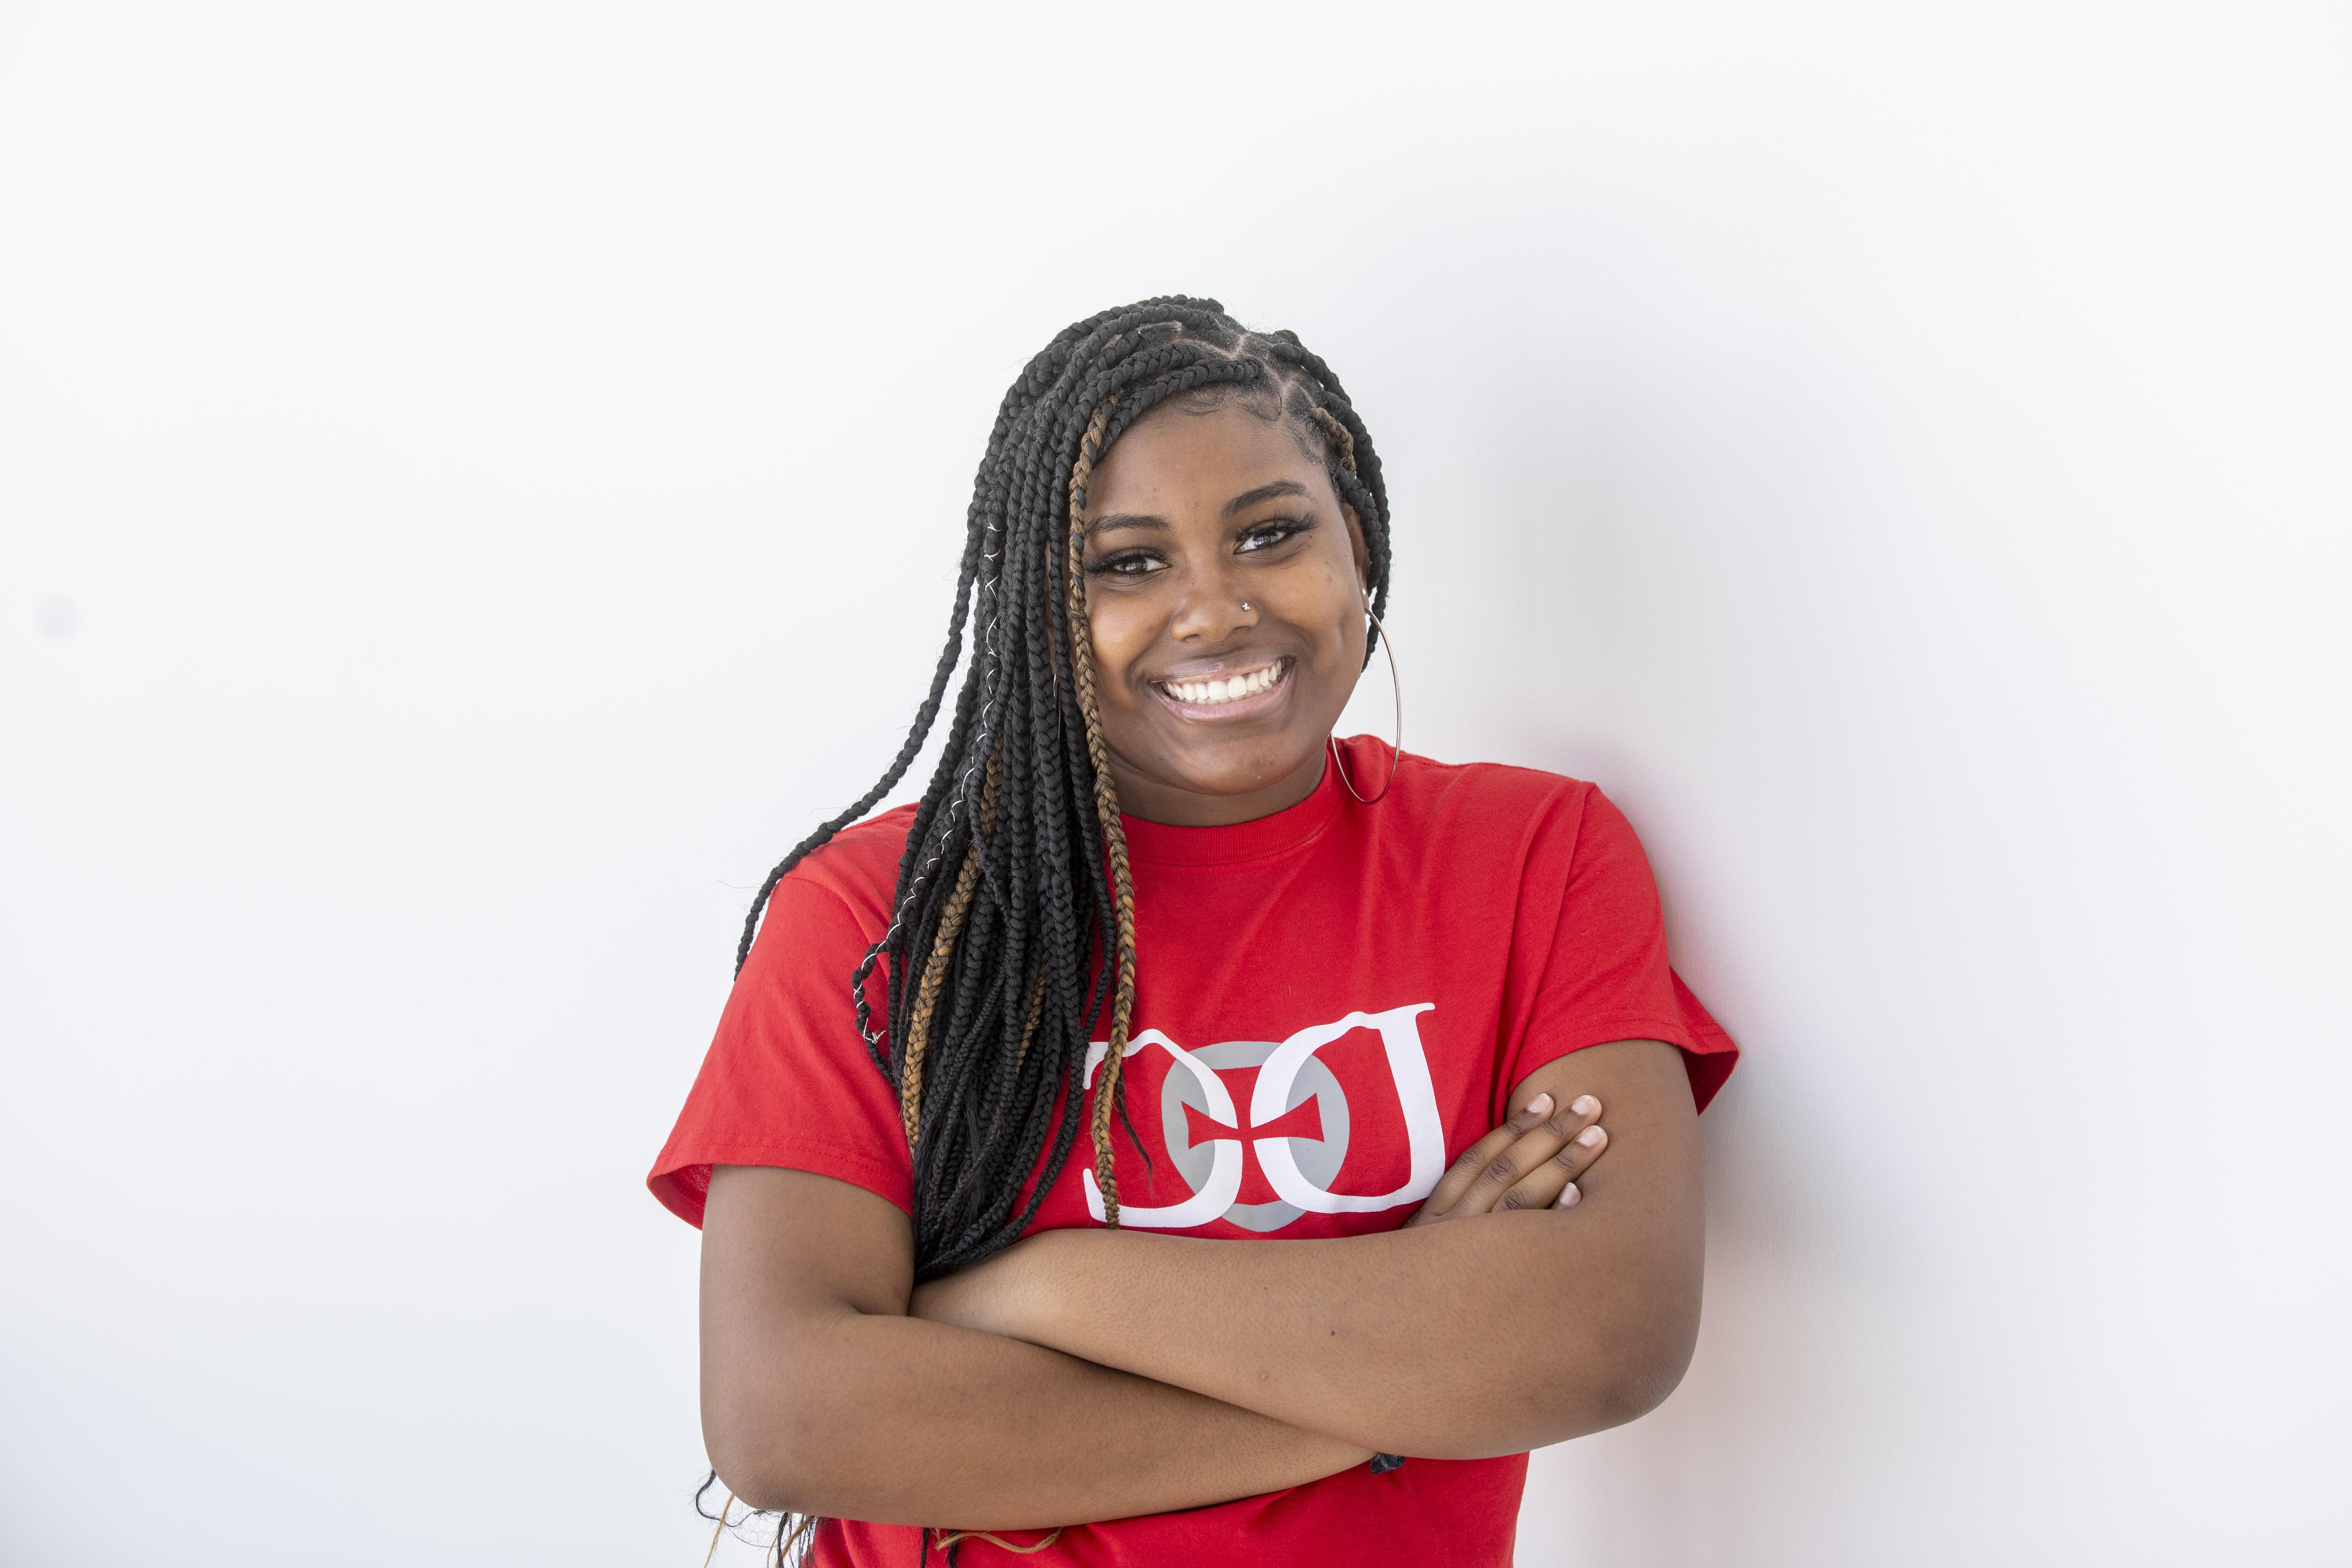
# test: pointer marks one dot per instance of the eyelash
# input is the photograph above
(1283, 528)
(1115, 566)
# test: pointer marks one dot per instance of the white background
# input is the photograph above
(479, 481)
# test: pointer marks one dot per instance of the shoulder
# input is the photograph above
(1550, 826)
(1488, 795)
(827, 910)
(859, 865)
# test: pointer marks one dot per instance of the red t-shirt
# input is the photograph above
(1359, 988)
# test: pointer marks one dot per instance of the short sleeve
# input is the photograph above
(1603, 973)
(788, 1081)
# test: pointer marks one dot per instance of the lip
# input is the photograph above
(1240, 708)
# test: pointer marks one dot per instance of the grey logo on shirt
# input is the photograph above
(1318, 1158)
(1296, 1125)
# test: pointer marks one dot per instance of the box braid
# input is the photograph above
(1013, 926)
(987, 1046)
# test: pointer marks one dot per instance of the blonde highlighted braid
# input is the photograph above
(1012, 932)
(1011, 929)
(1122, 881)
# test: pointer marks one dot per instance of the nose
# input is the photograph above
(1213, 608)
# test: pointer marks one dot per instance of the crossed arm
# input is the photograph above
(1086, 1374)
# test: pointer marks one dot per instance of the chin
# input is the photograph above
(1240, 771)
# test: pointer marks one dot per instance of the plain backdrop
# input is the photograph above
(479, 481)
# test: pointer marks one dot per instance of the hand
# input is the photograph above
(1530, 1161)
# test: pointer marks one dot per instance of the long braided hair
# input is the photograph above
(1013, 920)
(1012, 926)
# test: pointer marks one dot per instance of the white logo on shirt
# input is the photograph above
(1298, 1164)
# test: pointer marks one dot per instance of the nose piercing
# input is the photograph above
(1246, 604)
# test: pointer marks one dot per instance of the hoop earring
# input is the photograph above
(1396, 750)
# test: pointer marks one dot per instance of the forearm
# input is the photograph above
(1457, 1339)
(898, 1420)
(1416, 1342)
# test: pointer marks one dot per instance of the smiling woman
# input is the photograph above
(1138, 903)
(1227, 625)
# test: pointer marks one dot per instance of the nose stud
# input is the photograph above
(1246, 604)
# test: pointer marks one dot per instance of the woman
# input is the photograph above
(1279, 985)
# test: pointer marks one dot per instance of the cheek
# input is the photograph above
(1118, 636)
(1335, 613)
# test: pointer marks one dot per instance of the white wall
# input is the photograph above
(479, 481)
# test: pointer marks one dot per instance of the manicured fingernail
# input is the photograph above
(1540, 1105)
(1585, 1105)
(1590, 1137)
(1569, 1199)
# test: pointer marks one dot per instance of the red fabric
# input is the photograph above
(1398, 968)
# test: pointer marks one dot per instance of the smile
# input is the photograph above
(1225, 691)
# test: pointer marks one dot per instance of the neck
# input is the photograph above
(1155, 800)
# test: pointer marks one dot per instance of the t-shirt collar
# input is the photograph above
(1292, 828)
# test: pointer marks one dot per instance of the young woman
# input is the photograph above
(1278, 987)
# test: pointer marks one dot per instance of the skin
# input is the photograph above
(1216, 545)
(1092, 1375)
(1491, 1333)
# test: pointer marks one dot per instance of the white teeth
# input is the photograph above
(1208, 694)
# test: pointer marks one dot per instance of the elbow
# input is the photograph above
(1617, 1373)
(757, 1469)
(1637, 1385)
(756, 1486)
(1596, 1381)
(772, 1471)
(1637, 1367)
(764, 1436)
(790, 1417)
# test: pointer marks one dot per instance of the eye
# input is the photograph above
(1273, 532)
(1127, 566)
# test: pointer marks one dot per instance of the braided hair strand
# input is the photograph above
(1012, 929)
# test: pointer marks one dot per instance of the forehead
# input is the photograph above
(1180, 458)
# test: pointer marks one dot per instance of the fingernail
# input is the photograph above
(1590, 1137)
(1540, 1105)
(1569, 1199)
(1585, 1105)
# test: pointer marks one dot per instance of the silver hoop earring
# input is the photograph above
(1396, 750)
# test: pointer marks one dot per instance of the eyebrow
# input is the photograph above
(1241, 502)
(1126, 520)
(1248, 499)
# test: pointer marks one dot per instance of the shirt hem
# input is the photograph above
(855, 1166)
(1603, 1028)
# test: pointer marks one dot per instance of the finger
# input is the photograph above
(1525, 1156)
(1471, 1161)
(1553, 1183)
